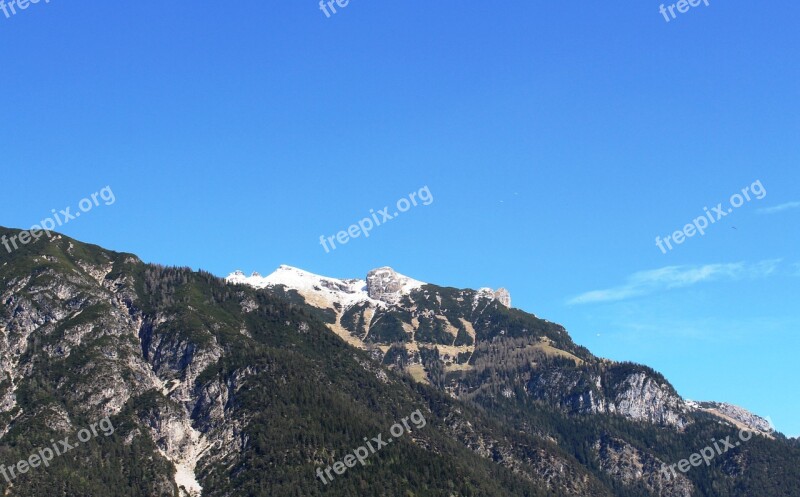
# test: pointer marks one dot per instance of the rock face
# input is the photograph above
(635, 395)
(387, 285)
(87, 318)
(642, 398)
(628, 465)
(736, 415)
(503, 296)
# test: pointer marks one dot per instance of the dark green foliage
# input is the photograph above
(324, 315)
(388, 328)
(353, 320)
(463, 337)
(433, 366)
(431, 330)
(397, 355)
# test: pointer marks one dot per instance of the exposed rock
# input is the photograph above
(503, 296)
(387, 285)
(637, 396)
(738, 416)
(642, 398)
(629, 465)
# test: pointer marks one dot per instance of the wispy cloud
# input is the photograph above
(666, 278)
(779, 208)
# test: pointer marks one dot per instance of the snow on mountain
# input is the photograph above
(383, 285)
(344, 292)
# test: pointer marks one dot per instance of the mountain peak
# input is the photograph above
(387, 285)
(501, 295)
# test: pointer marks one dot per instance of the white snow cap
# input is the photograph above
(383, 285)
(387, 285)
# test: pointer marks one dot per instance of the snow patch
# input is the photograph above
(345, 292)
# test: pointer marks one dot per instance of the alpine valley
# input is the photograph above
(244, 386)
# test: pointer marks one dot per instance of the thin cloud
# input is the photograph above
(779, 208)
(670, 277)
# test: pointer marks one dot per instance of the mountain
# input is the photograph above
(251, 388)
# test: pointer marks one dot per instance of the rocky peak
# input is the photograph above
(501, 295)
(734, 414)
(387, 285)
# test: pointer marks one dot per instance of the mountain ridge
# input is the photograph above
(332, 292)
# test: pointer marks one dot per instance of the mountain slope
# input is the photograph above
(226, 390)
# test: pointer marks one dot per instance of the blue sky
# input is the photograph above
(558, 140)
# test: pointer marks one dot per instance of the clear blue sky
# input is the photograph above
(558, 140)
